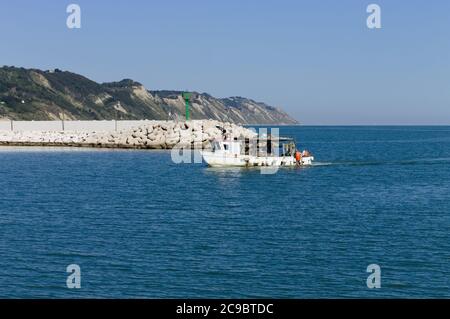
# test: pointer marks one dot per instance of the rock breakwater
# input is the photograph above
(148, 135)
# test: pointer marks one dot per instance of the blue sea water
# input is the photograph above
(140, 225)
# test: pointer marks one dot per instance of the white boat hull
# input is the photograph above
(223, 159)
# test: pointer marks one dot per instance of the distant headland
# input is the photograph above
(32, 94)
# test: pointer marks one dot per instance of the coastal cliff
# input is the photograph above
(32, 94)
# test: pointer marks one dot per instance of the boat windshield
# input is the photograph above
(216, 146)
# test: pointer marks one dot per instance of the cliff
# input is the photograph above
(32, 94)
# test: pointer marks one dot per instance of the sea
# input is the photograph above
(93, 223)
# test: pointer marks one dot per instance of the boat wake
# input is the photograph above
(322, 164)
(422, 161)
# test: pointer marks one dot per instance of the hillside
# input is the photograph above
(31, 94)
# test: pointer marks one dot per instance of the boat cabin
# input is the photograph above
(228, 147)
(258, 147)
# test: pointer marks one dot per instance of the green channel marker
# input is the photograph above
(187, 98)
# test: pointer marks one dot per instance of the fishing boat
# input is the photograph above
(256, 152)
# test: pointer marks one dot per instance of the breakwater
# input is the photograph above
(143, 134)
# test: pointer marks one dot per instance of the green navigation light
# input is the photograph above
(187, 98)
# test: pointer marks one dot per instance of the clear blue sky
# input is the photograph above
(315, 59)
